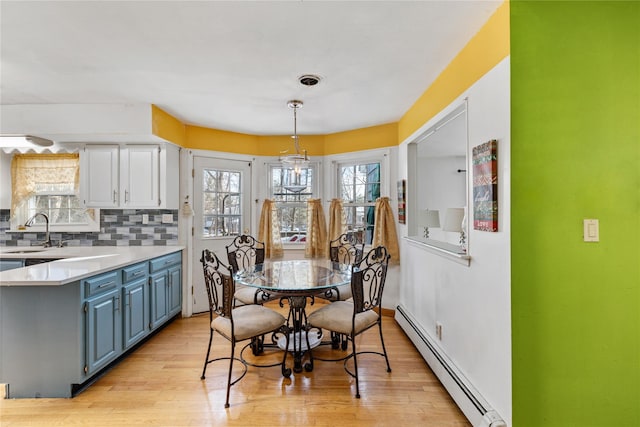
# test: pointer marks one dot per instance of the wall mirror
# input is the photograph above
(438, 169)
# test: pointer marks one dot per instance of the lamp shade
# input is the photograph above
(430, 218)
(453, 219)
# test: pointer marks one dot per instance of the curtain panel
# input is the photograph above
(384, 229)
(269, 230)
(316, 245)
(337, 219)
(28, 171)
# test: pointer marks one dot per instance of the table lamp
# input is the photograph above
(453, 220)
(429, 218)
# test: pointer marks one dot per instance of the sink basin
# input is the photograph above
(85, 258)
(25, 251)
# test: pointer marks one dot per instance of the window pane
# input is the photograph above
(359, 187)
(222, 210)
(290, 191)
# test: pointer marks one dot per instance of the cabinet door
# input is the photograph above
(10, 264)
(159, 303)
(175, 290)
(99, 171)
(103, 330)
(136, 312)
(140, 176)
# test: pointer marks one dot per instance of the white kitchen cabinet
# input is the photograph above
(129, 176)
(99, 180)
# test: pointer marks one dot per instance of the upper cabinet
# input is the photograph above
(129, 176)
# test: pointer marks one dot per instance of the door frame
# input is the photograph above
(186, 222)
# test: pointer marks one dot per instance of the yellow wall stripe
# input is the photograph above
(165, 126)
(483, 52)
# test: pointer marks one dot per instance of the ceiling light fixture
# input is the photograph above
(19, 141)
(299, 159)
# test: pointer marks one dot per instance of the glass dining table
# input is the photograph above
(295, 281)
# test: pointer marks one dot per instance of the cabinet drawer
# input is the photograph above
(97, 285)
(165, 261)
(134, 272)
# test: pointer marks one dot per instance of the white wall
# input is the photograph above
(471, 302)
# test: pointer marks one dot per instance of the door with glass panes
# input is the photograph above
(222, 210)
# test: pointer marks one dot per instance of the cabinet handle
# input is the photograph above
(106, 284)
(115, 196)
(137, 273)
(117, 305)
(126, 196)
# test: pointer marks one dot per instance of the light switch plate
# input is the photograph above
(145, 218)
(591, 230)
(167, 218)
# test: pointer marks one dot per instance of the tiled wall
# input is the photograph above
(118, 227)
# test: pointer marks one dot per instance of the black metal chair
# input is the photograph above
(246, 322)
(243, 253)
(344, 250)
(351, 318)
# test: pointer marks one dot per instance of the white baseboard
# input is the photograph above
(468, 399)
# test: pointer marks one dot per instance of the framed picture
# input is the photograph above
(402, 203)
(485, 186)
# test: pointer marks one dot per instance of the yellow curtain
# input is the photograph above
(269, 230)
(337, 219)
(384, 229)
(316, 244)
(33, 172)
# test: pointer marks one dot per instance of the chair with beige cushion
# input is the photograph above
(351, 318)
(343, 250)
(238, 324)
(243, 253)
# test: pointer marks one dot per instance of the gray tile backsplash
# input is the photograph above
(118, 227)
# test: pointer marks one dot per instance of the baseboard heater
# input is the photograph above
(472, 404)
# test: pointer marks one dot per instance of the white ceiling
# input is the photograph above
(233, 65)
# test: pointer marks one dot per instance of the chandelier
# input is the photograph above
(298, 160)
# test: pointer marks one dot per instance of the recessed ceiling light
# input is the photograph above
(309, 80)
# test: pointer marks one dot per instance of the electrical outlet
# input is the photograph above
(145, 218)
(167, 218)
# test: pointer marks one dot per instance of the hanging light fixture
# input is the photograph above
(299, 160)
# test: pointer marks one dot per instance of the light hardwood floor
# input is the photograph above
(159, 385)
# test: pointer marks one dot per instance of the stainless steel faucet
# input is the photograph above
(47, 239)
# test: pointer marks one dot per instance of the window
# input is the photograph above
(221, 201)
(48, 183)
(290, 190)
(359, 187)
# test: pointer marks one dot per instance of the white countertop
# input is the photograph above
(74, 263)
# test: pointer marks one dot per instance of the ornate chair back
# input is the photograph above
(367, 280)
(220, 286)
(346, 250)
(244, 252)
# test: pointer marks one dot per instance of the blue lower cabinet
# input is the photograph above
(159, 305)
(56, 339)
(136, 311)
(166, 288)
(175, 290)
(103, 338)
(10, 264)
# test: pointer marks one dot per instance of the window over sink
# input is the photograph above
(48, 183)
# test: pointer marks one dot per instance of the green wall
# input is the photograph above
(575, 111)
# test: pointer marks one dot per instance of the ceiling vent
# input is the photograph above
(309, 80)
